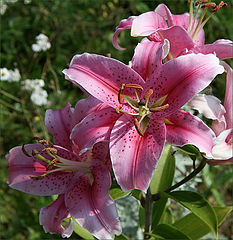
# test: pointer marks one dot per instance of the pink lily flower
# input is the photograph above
(211, 108)
(82, 181)
(139, 109)
(184, 32)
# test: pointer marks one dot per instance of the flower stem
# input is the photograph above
(157, 196)
(148, 213)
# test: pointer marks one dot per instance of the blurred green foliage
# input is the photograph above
(73, 27)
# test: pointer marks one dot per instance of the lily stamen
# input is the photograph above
(137, 126)
(160, 108)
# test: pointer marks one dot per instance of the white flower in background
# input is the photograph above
(27, 1)
(39, 96)
(5, 74)
(3, 7)
(42, 43)
(15, 75)
(10, 75)
(31, 84)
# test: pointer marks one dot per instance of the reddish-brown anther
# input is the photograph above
(219, 6)
(207, 5)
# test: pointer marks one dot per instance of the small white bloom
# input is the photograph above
(39, 96)
(42, 43)
(5, 74)
(27, 1)
(14, 75)
(3, 7)
(30, 85)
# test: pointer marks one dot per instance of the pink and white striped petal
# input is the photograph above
(133, 157)
(165, 12)
(188, 129)
(51, 218)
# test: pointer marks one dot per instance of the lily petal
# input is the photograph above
(147, 23)
(222, 48)
(94, 128)
(222, 149)
(148, 56)
(102, 77)
(164, 11)
(124, 24)
(188, 129)
(133, 157)
(91, 205)
(51, 218)
(86, 106)
(182, 78)
(209, 106)
(59, 123)
(179, 39)
(22, 167)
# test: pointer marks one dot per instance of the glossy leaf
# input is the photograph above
(161, 180)
(117, 193)
(82, 232)
(164, 173)
(195, 228)
(167, 231)
(198, 206)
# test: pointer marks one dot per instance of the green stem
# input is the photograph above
(148, 213)
(157, 196)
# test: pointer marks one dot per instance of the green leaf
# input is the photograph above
(82, 232)
(167, 231)
(161, 180)
(198, 206)
(164, 173)
(141, 217)
(196, 228)
(167, 217)
(122, 237)
(189, 149)
(117, 193)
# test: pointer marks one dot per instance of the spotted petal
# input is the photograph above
(60, 123)
(94, 128)
(148, 56)
(91, 205)
(86, 106)
(181, 78)
(51, 217)
(102, 77)
(134, 158)
(188, 129)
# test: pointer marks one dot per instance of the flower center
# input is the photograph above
(56, 163)
(141, 107)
